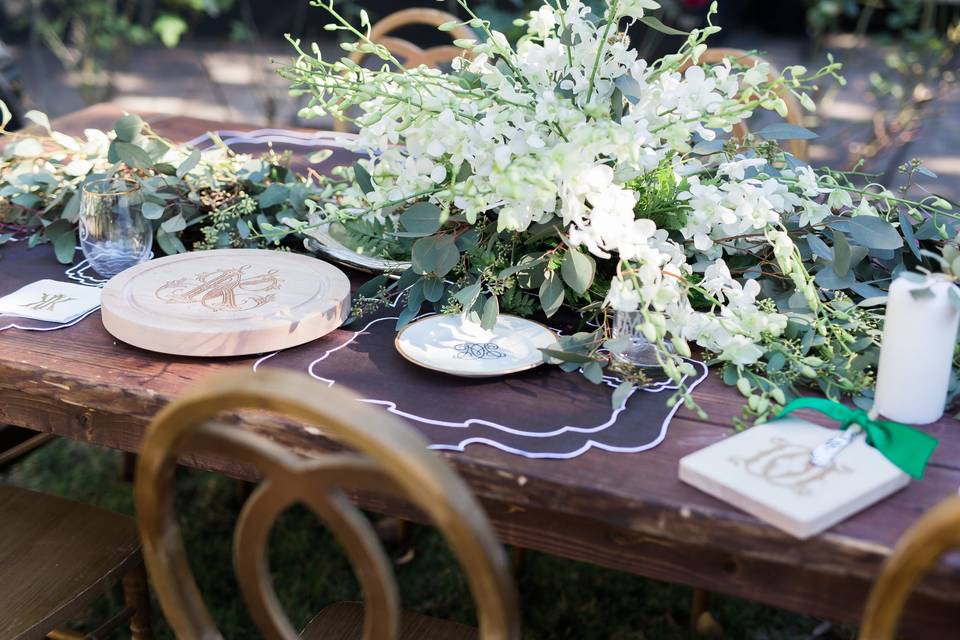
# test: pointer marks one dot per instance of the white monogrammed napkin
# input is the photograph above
(50, 301)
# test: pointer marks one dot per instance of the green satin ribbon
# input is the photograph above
(902, 445)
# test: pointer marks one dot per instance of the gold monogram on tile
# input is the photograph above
(227, 289)
(786, 464)
(47, 302)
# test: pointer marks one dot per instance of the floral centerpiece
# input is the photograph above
(566, 171)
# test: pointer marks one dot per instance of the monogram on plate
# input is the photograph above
(478, 351)
(227, 289)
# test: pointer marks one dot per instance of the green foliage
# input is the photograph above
(199, 202)
(93, 37)
(657, 198)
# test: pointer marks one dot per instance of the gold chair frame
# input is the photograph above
(413, 55)
(798, 148)
(391, 459)
(937, 532)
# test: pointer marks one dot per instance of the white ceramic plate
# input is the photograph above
(449, 345)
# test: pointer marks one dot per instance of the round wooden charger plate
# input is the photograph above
(227, 302)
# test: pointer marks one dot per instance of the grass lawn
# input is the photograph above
(560, 599)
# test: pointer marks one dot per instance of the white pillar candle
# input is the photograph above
(919, 334)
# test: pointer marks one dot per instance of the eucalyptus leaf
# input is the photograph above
(566, 356)
(906, 228)
(132, 155)
(369, 289)
(828, 279)
(273, 195)
(363, 177)
(433, 289)
(867, 290)
(775, 362)
(619, 397)
(593, 372)
(174, 224)
(491, 309)
(169, 243)
(188, 164)
(841, 255)
(873, 302)
(408, 314)
(468, 294)
(128, 127)
(618, 344)
(819, 247)
(421, 218)
(71, 211)
(577, 270)
(707, 147)
(785, 131)
(874, 233)
(64, 246)
(435, 255)
(551, 294)
(152, 211)
(656, 25)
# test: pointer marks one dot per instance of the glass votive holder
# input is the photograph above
(639, 351)
(114, 235)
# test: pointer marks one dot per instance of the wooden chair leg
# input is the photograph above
(397, 537)
(702, 622)
(129, 466)
(137, 597)
(518, 561)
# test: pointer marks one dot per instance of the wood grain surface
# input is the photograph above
(625, 511)
(225, 303)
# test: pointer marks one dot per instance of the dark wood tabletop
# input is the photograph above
(625, 511)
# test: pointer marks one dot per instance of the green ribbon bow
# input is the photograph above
(904, 446)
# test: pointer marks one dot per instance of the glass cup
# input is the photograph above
(639, 352)
(114, 235)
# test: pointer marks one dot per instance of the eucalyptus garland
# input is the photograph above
(195, 200)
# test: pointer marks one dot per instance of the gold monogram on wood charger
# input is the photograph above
(227, 289)
(787, 464)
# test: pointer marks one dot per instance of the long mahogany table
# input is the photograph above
(625, 511)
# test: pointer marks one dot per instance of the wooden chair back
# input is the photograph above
(388, 458)
(410, 54)
(798, 148)
(937, 532)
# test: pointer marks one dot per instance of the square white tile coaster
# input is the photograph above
(50, 301)
(765, 471)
